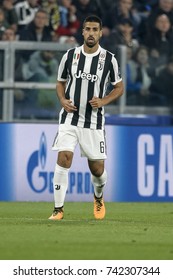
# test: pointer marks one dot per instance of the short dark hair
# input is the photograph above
(93, 18)
(41, 10)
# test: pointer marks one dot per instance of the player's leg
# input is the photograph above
(60, 183)
(93, 146)
(99, 178)
(60, 180)
(65, 143)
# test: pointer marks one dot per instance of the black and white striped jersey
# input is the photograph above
(87, 75)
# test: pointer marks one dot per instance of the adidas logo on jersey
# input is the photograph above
(86, 76)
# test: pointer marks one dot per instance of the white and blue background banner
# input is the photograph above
(139, 164)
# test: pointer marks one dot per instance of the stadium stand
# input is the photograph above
(144, 28)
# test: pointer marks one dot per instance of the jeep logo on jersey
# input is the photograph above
(86, 76)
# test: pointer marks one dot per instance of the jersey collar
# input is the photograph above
(91, 54)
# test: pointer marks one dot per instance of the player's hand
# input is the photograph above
(68, 106)
(96, 102)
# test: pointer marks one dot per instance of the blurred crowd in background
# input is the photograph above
(144, 27)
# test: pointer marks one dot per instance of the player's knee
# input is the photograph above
(65, 159)
(97, 171)
(96, 168)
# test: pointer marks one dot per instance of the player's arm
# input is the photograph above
(114, 94)
(66, 103)
(117, 91)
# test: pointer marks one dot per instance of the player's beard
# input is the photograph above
(90, 44)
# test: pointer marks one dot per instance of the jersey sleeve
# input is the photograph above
(115, 75)
(62, 70)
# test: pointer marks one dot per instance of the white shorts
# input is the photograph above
(91, 141)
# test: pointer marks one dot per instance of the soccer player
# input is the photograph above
(83, 75)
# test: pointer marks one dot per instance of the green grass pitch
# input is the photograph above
(130, 231)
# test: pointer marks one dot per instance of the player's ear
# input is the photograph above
(101, 33)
